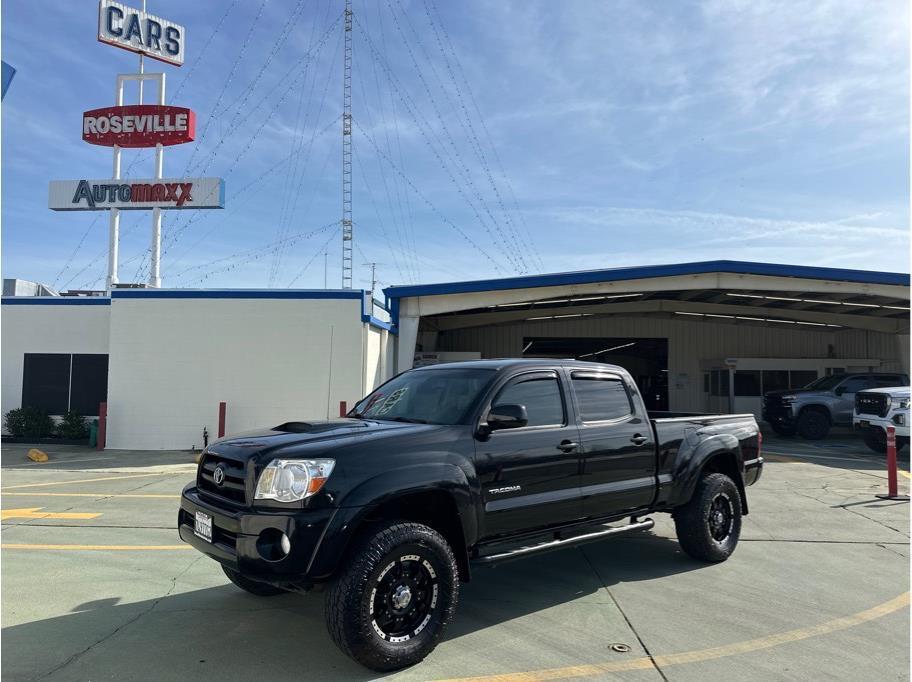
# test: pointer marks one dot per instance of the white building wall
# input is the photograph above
(41, 326)
(172, 361)
(689, 342)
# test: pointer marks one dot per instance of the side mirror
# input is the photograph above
(839, 390)
(507, 417)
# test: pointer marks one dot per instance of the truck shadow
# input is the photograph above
(225, 633)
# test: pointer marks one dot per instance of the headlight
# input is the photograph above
(290, 480)
(901, 403)
(788, 398)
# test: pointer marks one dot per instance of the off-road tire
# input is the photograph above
(876, 440)
(693, 523)
(252, 586)
(377, 553)
(813, 424)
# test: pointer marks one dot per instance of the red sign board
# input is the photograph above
(138, 125)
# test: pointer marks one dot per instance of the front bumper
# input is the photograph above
(240, 537)
(897, 420)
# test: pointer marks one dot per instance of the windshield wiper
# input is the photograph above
(408, 420)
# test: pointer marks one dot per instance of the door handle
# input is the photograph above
(567, 446)
(638, 439)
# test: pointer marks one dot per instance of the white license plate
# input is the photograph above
(202, 526)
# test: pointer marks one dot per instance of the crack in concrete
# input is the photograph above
(624, 616)
(886, 546)
(144, 612)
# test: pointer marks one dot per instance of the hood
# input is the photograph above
(791, 391)
(328, 433)
(892, 391)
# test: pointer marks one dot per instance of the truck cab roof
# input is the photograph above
(499, 364)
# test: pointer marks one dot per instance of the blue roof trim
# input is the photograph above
(378, 323)
(354, 294)
(646, 272)
(55, 300)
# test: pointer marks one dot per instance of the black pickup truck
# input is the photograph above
(443, 468)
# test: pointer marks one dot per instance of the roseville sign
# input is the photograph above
(98, 195)
(138, 125)
(138, 31)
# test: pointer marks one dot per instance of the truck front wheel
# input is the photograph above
(252, 586)
(709, 526)
(394, 596)
(876, 439)
(813, 424)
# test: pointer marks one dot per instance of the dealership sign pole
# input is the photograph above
(138, 126)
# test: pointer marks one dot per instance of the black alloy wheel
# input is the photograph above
(403, 598)
(720, 517)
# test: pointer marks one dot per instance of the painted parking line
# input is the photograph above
(151, 496)
(36, 513)
(89, 480)
(96, 548)
(700, 655)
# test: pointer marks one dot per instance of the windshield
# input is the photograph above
(437, 396)
(826, 383)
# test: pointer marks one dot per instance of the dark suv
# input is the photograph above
(828, 401)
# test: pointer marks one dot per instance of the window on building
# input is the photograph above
(775, 380)
(747, 383)
(719, 382)
(601, 398)
(58, 382)
(799, 378)
(541, 396)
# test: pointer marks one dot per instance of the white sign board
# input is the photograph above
(99, 195)
(141, 32)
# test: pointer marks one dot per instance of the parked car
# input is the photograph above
(828, 401)
(450, 466)
(878, 408)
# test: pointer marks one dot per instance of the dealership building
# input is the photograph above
(709, 336)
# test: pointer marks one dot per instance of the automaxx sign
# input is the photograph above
(167, 193)
(138, 125)
(138, 31)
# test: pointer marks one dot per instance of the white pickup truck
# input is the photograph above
(878, 408)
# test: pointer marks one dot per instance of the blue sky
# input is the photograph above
(491, 138)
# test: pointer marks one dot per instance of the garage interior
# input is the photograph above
(677, 328)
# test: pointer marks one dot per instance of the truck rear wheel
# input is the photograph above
(709, 526)
(389, 605)
(813, 424)
(252, 586)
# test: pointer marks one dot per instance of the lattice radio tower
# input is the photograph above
(347, 235)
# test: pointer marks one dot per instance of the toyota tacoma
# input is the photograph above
(448, 467)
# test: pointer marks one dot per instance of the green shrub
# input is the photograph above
(73, 426)
(31, 422)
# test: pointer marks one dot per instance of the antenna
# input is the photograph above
(347, 153)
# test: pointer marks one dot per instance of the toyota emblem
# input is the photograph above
(219, 475)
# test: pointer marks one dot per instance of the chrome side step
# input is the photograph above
(565, 542)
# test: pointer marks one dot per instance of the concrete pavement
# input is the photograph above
(818, 588)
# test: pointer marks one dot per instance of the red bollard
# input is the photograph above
(221, 419)
(102, 426)
(343, 408)
(892, 482)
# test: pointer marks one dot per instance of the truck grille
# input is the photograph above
(773, 406)
(872, 403)
(232, 488)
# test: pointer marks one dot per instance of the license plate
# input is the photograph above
(202, 526)
(864, 423)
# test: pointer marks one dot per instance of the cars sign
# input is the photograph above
(138, 125)
(138, 31)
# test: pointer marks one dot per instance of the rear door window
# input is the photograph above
(601, 398)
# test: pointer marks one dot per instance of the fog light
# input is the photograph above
(273, 544)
